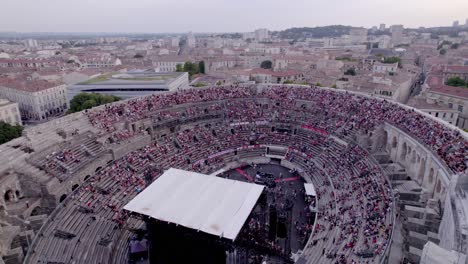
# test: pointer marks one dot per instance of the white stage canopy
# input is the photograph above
(434, 254)
(210, 204)
(310, 189)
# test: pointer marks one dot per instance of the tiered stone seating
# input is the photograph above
(69, 157)
(354, 206)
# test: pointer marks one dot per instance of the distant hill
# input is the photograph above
(313, 32)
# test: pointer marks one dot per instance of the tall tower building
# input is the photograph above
(358, 35)
(382, 27)
(397, 34)
(30, 43)
(191, 41)
(262, 34)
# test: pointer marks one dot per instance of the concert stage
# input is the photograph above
(196, 218)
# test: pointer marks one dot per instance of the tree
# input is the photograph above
(391, 60)
(199, 84)
(201, 67)
(84, 101)
(288, 82)
(266, 64)
(89, 104)
(191, 68)
(350, 71)
(179, 67)
(334, 86)
(318, 84)
(443, 43)
(344, 59)
(456, 81)
(9, 132)
(218, 83)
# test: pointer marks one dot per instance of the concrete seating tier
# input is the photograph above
(353, 206)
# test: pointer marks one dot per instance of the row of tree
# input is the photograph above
(84, 101)
(457, 82)
(191, 67)
(391, 60)
(9, 132)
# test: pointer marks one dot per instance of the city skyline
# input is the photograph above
(144, 16)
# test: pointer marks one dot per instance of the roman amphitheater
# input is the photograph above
(390, 181)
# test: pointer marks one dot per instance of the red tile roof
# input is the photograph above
(28, 85)
(450, 90)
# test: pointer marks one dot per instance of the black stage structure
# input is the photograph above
(170, 243)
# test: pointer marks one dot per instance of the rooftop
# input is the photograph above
(27, 85)
(4, 102)
(131, 78)
(210, 204)
(421, 103)
(450, 90)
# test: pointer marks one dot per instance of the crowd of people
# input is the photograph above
(354, 201)
(140, 108)
(365, 113)
(339, 113)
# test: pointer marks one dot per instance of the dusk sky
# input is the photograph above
(220, 15)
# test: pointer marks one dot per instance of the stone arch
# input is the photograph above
(385, 140)
(87, 177)
(8, 196)
(431, 175)
(404, 150)
(438, 186)
(74, 187)
(394, 142)
(422, 169)
(98, 168)
(62, 198)
(36, 211)
(17, 193)
(413, 156)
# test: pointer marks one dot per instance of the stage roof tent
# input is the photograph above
(210, 204)
(310, 189)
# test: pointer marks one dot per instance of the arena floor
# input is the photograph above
(288, 186)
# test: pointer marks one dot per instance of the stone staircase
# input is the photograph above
(419, 218)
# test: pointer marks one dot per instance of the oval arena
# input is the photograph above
(387, 178)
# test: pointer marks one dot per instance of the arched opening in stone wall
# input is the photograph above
(384, 140)
(431, 176)
(17, 193)
(403, 152)
(438, 186)
(63, 197)
(87, 177)
(37, 211)
(394, 142)
(422, 169)
(8, 196)
(97, 169)
(413, 156)
(74, 187)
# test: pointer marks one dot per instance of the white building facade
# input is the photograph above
(9, 112)
(38, 105)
